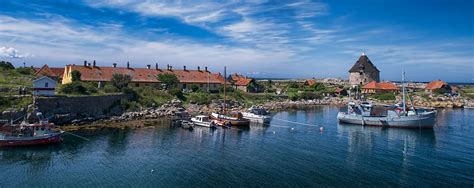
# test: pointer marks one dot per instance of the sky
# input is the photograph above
(258, 38)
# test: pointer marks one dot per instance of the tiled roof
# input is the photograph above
(310, 82)
(365, 64)
(435, 85)
(90, 73)
(49, 71)
(380, 86)
(240, 80)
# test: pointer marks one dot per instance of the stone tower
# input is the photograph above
(363, 72)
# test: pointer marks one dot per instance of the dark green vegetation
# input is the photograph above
(298, 91)
(11, 80)
(384, 96)
(170, 80)
(120, 81)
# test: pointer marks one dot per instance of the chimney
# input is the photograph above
(156, 66)
(89, 64)
(148, 66)
(167, 66)
(128, 65)
(93, 63)
(85, 63)
(199, 68)
(184, 67)
(171, 68)
(115, 64)
(205, 69)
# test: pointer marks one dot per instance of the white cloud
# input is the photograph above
(10, 52)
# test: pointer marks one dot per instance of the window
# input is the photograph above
(46, 84)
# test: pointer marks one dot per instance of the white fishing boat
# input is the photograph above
(388, 116)
(257, 115)
(203, 121)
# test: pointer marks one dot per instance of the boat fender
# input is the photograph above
(321, 129)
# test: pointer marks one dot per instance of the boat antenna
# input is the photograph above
(225, 85)
(403, 91)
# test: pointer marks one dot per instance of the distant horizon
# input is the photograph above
(289, 39)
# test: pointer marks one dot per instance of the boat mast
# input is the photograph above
(225, 85)
(403, 90)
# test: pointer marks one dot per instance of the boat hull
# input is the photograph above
(265, 119)
(423, 121)
(31, 141)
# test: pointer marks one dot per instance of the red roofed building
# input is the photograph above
(383, 87)
(52, 72)
(204, 79)
(437, 85)
(244, 83)
(309, 82)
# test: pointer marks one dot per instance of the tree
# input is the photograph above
(75, 76)
(6, 65)
(120, 81)
(170, 80)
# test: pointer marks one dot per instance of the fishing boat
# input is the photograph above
(388, 116)
(203, 121)
(24, 134)
(257, 115)
(234, 119)
(228, 119)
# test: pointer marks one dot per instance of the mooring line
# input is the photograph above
(312, 125)
(75, 135)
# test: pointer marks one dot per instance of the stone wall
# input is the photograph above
(63, 109)
(355, 78)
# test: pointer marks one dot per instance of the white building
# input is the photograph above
(44, 86)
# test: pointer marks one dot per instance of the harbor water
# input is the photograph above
(299, 148)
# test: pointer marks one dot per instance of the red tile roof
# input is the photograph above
(89, 73)
(240, 80)
(50, 71)
(435, 85)
(310, 82)
(380, 86)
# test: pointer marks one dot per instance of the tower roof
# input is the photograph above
(365, 64)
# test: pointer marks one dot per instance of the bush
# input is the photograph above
(227, 89)
(90, 88)
(132, 93)
(25, 70)
(293, 85)
(177, 92)
(75, 76)
(129, 105)
(5, 65)
(110, 89)
(170, 80)
(120, 81)
(195, 88)
(202, 98)
(384, 96)
(73, 88)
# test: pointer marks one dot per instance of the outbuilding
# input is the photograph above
(44, 86)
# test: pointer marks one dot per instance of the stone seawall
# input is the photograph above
(61, 110)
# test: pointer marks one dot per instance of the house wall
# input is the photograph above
(44, 87)
(355, 78)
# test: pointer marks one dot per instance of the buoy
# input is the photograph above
(292, 128)
(321, 129)
(273, 132)
(152, 170)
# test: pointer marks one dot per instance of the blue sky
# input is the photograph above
(290, 39)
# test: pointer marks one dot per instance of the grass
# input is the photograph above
(14, 103)
(14, 79)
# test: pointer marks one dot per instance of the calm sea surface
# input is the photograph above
(282, 154)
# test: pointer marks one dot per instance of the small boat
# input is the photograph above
(234, 118)
(388, 116)
(257, 115)
(203, 121)
(24, 134)
(221, 123)
(185, 124)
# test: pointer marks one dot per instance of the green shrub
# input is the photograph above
(195, 88)
(108, 88)
(25, 70)
(310, 95)
(132, 93)
(129, 105)
(5, 65)
(120, 81)
(75, 76)
(73, 88)
(177, 92)
(201, 98)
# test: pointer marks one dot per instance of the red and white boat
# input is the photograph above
(24, 134)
